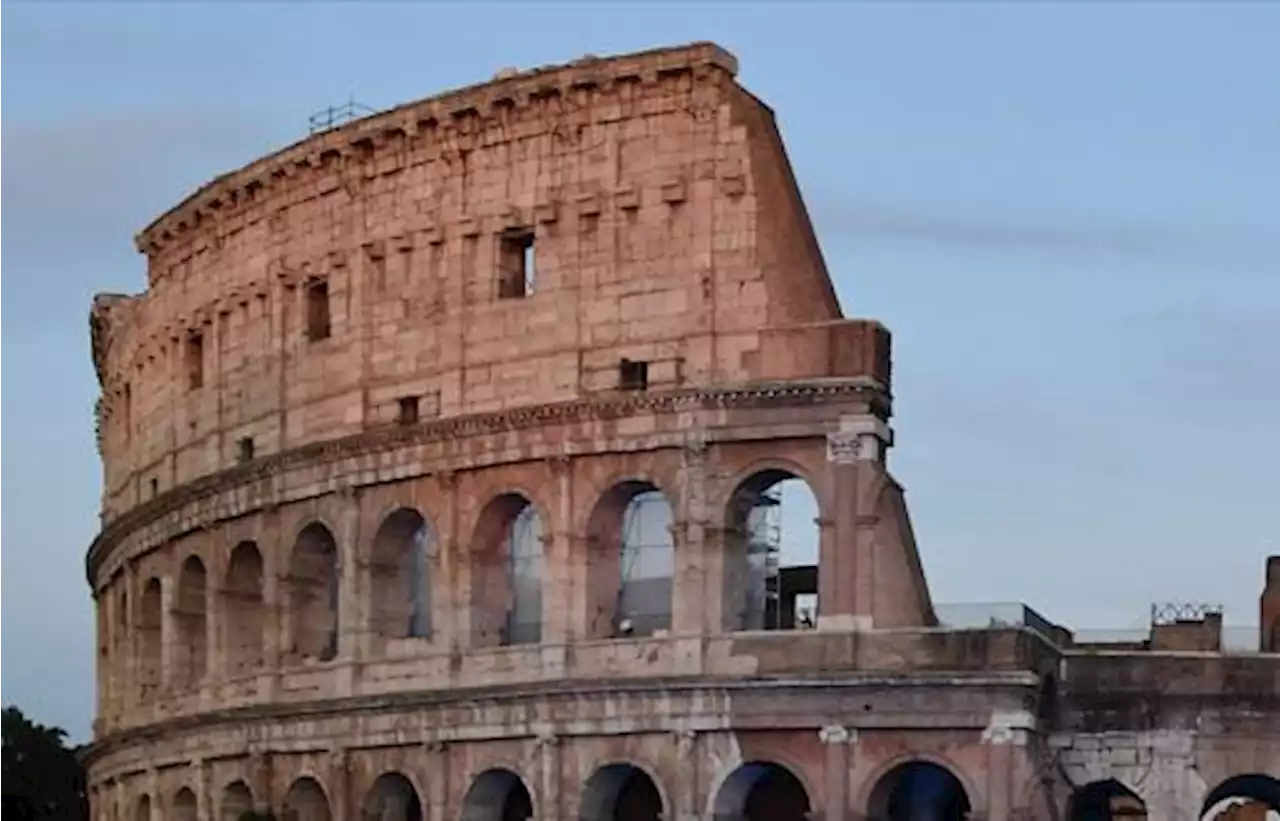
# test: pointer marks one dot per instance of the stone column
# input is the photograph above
(549, 805)
(448, 600)
(340, 803)
(837, 739)
(349, 605)
(684, 795)
(1006, 738)
(435, 778)
(695, 600)
(275, 564)
(846, 578)
(557, 582)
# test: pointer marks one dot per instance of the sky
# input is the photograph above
(1067, 214)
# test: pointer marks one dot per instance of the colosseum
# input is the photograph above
(448, 457)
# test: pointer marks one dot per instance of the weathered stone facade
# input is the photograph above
(370, 439)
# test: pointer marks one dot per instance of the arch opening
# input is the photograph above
(1249, 797)
(305, 801)
(400, 576)
(497, 795)
(1105, 800)
(762, 791)
(142, 812)
(391, 798)
(919, 791)
(244, 610)
(313, 591)
(631, 561)
(184, 805)
(771, 554)
(190, 615)
(507, 568)
(237, 801)
(620, 792)
(150, 639)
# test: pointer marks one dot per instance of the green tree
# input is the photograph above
(42, 778)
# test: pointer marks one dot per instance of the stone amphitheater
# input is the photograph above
(447, 459)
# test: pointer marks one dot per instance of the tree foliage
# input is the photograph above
(42, 779)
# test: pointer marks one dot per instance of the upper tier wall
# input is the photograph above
(307, 295)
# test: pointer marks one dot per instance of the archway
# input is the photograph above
(497, 795)
(313, 591)
(142, 812)
(237, 800)
(1105, 800)
(244, 611)
(918, 791)
(771, 553)
(631, 561)
(1243, 798)
(190, 607)
(150, 638)
(120, 647)
(305, 801)
(400, 577)
(506, 573)
(391, 798)
(762, 791)
(184, 805)
(620, 792)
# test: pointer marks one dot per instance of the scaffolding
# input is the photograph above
(334, 116)
(646, 566)
(764, 561)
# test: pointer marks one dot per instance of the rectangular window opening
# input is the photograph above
(408, 412)
(155, 486)
(245, 449)
(633, 375)
(517, 267)
(195, 360)
(318, 326)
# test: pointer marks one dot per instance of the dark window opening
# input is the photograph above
(408, 410)
(155, 486)
(516, 266)
(127, 417)
(633, 375)
(195, 360)
(245, 446)
(318, 326)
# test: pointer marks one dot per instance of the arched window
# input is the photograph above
(919, 790)
(142, 812)
(763, 791)
(184, 805)
(497, 795)
(313, 591)
(400, 576)
(150, 638)
(620, 792)
(771, 554)
(392, 798)
(506, 573)
(121, 657)
(631, 561)
(244, 612)
(1250, 796)
(189, 615)
(237, 800)
(306, 801)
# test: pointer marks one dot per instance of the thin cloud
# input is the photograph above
(916, 226)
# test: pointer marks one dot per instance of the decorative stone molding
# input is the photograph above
(837, 734)
(859, 439)
(1009, 727)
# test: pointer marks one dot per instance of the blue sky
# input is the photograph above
(1067, 213)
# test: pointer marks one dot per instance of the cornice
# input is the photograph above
(394, 437)
(562, 690)
(246, 187)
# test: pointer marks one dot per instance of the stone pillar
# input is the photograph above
(558, 557)
(549, 804)
(348, 535)
(435, 777)
(339, 784)
(846, 579)
(1006, 738)
(275, 564)
(448, 599)
(695, 599)
(684, 795)
(837, 739)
